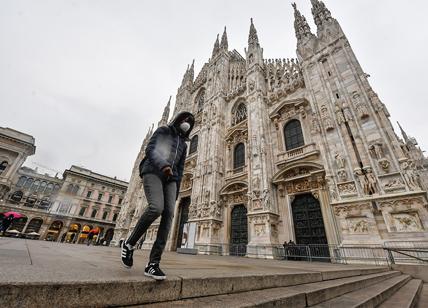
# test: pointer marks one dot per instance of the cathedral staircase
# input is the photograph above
(364, 288)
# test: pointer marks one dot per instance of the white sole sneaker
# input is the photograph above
(155, 277)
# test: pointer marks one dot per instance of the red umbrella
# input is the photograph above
(14, 214)
(95, 231)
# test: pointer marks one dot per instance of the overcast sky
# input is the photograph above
(87, 78)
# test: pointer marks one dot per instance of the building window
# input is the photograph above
(49, 188)
(105, 214)
(200, 99)
(44, 204)
(21, 181)
(293, 135)
(193, 144)
(3, 166)
(75, 189)
(100, 195)
(17, 196)
(89, 194)
(70, 188)
(110, 199)
(30, 201)
(28, 183)
(94, 213)
(82, 211)
(239, 156)
(115, 217)
(42, 186)
(56, 187)
(240, 114)
(35, 185)
(120, 201)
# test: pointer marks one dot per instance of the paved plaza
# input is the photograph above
(41, 261)
(34, 273)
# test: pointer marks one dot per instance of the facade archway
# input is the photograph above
(109, 236)
(309, 226)
(238, 231)
(308, 220)
(73, 231)
(84, 234)
(54, 230)
(183, 218)
(34, 225)
(18, 224)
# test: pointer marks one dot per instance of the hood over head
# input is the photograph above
(179, 118)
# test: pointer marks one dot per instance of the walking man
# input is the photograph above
(161, 170)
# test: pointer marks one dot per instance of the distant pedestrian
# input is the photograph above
(5, 224)
(161, 170)
(89, 238)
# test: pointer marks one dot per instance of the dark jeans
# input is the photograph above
(161, 199)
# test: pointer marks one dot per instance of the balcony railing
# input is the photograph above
(304, 151)
(236, 172)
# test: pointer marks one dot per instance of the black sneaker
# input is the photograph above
(153, 270)
(127, 251)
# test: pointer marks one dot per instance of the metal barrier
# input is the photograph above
(390, 253)
(407, 252)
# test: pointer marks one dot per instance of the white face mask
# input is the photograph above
(184, 127)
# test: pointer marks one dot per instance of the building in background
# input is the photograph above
(295, 149)
(15, 147)
(89, 200)
(55, 208)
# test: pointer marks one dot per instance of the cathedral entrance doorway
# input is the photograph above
(309, 224)
(184, 217)
(238, 231)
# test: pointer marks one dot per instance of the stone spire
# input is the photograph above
(301, 26)
(191, 71)
(320, 12)
(224, 45)
(253, 39)
(165, 115)
(403, 133)
(148, 135)
(188, 75)
(216, 47)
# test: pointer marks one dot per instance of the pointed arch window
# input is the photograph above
(240, 114)
(293, 135)
(239, 156)
(200, 99)
(193, 145)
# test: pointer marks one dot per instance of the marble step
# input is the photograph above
(293, 296)
(371, 296)
(423, 297)
(406, 296)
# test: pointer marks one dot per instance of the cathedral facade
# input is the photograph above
(295, 149)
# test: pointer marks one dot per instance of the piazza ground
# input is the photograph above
(50, 274)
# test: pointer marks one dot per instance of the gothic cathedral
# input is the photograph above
(289, 149)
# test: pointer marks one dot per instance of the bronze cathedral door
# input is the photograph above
(238, 231)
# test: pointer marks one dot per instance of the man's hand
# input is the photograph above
(167, 171)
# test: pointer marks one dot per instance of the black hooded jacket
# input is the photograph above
(167, 147)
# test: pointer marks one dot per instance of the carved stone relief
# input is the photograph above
(347, 188)
(407, 222)
(410, 175)
(358, 224)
